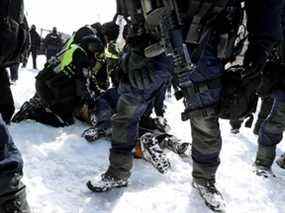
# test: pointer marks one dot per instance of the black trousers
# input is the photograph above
(7, 107)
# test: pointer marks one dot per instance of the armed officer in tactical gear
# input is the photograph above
(198, 45)
(64, 85)
(272, 84)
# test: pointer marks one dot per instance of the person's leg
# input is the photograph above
(125, 127)
(235, 124)
(7, 107)
(12, 190)
(206, 146)
(266, 106)
(34, 56)
(14, 72)
(270, 134)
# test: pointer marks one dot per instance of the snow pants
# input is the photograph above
(131, 107)
(271, 131)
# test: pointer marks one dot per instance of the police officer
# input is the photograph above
(63, 85)
(271, 130)
(53, 43)
(206, 144)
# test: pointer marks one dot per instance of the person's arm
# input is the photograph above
(81, 64)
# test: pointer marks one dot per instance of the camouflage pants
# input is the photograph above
(271, 132)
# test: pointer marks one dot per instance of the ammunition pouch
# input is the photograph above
(202, 98)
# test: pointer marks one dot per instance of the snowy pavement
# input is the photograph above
(58, 163)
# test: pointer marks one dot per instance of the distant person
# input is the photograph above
(53, 43)
(35, 44)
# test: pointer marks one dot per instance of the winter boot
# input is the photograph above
(24, 113)
(281, 161)
(14, 202)
(263, 171)
(210, 194)
(234, 131)
(174, 144)
(153, 153)
(92, 134)
(264, 159)
(105, 182)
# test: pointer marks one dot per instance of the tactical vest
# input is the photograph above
(65, 60)
(112, 51)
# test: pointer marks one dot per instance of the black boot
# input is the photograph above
(24, 113)
(281, 161)
(14, 202)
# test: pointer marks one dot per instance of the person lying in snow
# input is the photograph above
(153, 132)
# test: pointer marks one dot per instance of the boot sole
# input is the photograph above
(97, 189)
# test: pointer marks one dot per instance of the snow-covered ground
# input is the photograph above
(58, 163)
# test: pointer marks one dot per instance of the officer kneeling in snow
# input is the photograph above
(63, 85)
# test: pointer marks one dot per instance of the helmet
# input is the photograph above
(92, 43)
(111, 30)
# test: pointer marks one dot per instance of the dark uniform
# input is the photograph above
(271, 131)
(53, 43)
(263, 25)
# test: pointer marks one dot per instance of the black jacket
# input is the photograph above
(35, 40)
(53, 41)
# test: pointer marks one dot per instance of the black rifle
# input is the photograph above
(163, 18)
(167, 20)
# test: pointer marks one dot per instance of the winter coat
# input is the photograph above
(35, 40)
(53, 41)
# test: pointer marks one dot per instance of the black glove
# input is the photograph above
(271, 79)
(139, 69)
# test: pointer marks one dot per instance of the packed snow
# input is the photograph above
(58, 163)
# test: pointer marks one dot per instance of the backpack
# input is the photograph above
(14, 32)
(239, 99)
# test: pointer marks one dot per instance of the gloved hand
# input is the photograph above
(270, 79)
(138, 68)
